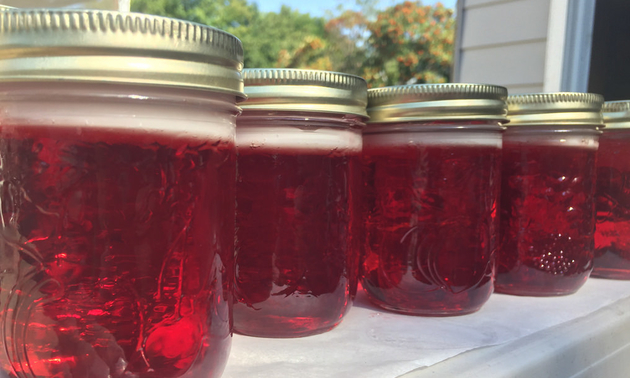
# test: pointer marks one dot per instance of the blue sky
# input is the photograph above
(319, 7)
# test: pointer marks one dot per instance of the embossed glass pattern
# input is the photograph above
(547, 210)
(116, 244)
(431, 192)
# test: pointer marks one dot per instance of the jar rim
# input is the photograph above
(427, 102)
(617, 114)
(559, 108)
(300, 90)
(115, 47)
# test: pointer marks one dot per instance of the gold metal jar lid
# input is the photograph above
(562, 108)
(103, 46)
(437, 102)
(296, 90)
(617, 114)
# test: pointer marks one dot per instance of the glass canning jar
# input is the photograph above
(431, 158)
(612, 196)
(117, 174)
(298, 184)
(547, 193)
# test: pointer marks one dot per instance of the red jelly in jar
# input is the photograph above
(612, 197)
(547, 193)
(117, 183)
(431, 156)
(298, 186)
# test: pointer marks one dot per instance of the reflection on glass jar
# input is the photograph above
(116, 243)
(547, 194)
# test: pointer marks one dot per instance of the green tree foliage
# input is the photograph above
(269, 39)
(406, 43)
(236, 15)
(285, 39)
(411, 43)
(347, 34)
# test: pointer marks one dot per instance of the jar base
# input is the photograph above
(534, 291)
(288, 324)
(611, 274)
(284, 328)
(436, 314)
(428, 312)
(529, 282)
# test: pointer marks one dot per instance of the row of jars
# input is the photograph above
(442, 193)
(131, 245)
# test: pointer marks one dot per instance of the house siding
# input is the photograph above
(503, 42)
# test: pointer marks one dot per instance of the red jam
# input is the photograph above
(117, 253)
(297, 239)
(612, 234)
(431, 220)
(547, 214)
